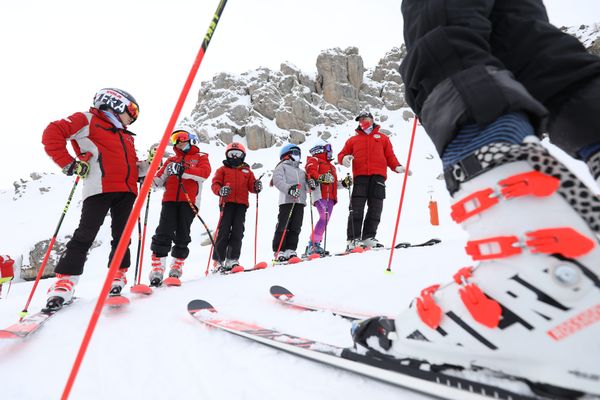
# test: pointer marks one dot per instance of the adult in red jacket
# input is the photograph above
(182, 176)
(320, 170)
(232, 182)
(109, 180)
(370, 153)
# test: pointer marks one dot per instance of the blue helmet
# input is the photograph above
(289, 149)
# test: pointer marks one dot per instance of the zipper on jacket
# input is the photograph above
(126, 161)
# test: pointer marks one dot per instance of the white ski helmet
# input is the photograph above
(118, 101)
(321, 146)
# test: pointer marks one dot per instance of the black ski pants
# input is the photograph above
(173, 228)
(367, 190)
(290, 242)
(228, 243)
(93, 212)
(471, 61)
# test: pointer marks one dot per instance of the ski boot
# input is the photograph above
(315, 248)
(530, 309)
(354, 246)
(158, 270)
(119, 282)
(175, 272)
(372, 243)
(282, 256)
(233, 266)
(61, 291)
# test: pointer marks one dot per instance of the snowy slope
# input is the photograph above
(154, 350)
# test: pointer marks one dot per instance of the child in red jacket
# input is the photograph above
(232, 182)
(324, 197)
(182, 176)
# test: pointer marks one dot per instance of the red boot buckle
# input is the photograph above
(483, 309)
(473, 204)
(494, 247)
(429, 312)
(532, 183)
(565, 241)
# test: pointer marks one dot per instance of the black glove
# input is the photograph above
(224, 191)
(294, 191)
(175, 169)
(347, 182)
(258, 186)
(326, 178)
(312, 184)
(77, 167)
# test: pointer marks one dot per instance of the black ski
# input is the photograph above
(430, 242)
(406, 373)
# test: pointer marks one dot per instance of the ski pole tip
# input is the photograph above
(388, 272)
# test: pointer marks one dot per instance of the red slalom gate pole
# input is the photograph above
(135, 212)
(410, 148)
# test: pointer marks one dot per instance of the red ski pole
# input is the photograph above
(262, 264)
(23, 313)
(138, 287)
(410, 148)
(137, 206)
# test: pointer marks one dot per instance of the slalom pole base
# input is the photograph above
(141, 289)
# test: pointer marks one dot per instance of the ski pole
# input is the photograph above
(22, 314)
(410, 148)
(139, 248)
(256, 223)
(213, 243)
(196, 212)
(137, 206)
(138, 287)
(326, 222)
(350, 206)
(312, 224)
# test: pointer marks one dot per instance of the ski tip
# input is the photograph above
(279, 291)
(261, 265)
(172, 281)
(8, 335)
(294, 260)
(357, 250)
(313, 256)
(196, 306)
(236, 269)
(141, 289)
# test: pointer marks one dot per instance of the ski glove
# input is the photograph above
(400, 169)
(258, 186)
(347, 160)
(152, 152)
(347, 182)
(80, 168)
(326, 178)
(174, 169)
(224, 191)
(312, 184)
(294, 191)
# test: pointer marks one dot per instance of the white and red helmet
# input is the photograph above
(117, 100)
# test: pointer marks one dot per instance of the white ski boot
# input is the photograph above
(159, 264)
(119, 282)
(176, 270)
(531, 308)
(61, 291)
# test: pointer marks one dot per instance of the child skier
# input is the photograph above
(291, 181)
(370, 153)
(182, 177)
(232, 182)
(324, 197)
(109, 181)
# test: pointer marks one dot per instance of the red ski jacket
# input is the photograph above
(373, 153)
(114, 163)
(197, 169)
(240, 179)
(318, 165)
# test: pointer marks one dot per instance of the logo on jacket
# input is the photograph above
(245, 171)
(377, 136)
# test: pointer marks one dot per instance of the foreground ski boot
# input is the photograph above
(315, 248)
(119, 282)
(531, 308)
(175, 272)
(159, 264)
(354, 246)
(61, 291)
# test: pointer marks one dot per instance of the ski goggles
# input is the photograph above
(295, 152)
(321, 149)
(180, 136)
(235, 154)
(133, 110)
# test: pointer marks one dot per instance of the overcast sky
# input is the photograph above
(56, 54)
